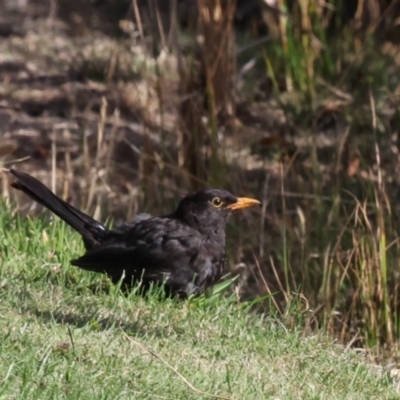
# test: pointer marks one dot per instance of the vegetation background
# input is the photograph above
(121, 106)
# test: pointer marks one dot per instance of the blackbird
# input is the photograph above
(184, 251)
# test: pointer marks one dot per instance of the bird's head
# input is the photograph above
(211, 209)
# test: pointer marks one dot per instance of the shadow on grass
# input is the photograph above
(90, 321)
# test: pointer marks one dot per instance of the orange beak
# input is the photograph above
(243, 202)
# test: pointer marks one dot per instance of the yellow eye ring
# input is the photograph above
(216, 202)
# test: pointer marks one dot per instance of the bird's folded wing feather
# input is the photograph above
(151, 249)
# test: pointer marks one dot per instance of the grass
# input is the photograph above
(69, 334)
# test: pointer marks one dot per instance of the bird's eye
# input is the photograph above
(216, 202)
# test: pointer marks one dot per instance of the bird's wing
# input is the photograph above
(153, 250)
(125, 227)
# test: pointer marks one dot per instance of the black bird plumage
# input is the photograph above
(185, 250)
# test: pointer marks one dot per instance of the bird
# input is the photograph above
(183, 251)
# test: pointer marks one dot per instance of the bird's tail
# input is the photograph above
(91, 230)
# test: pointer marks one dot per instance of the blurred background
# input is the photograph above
(123, 106)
